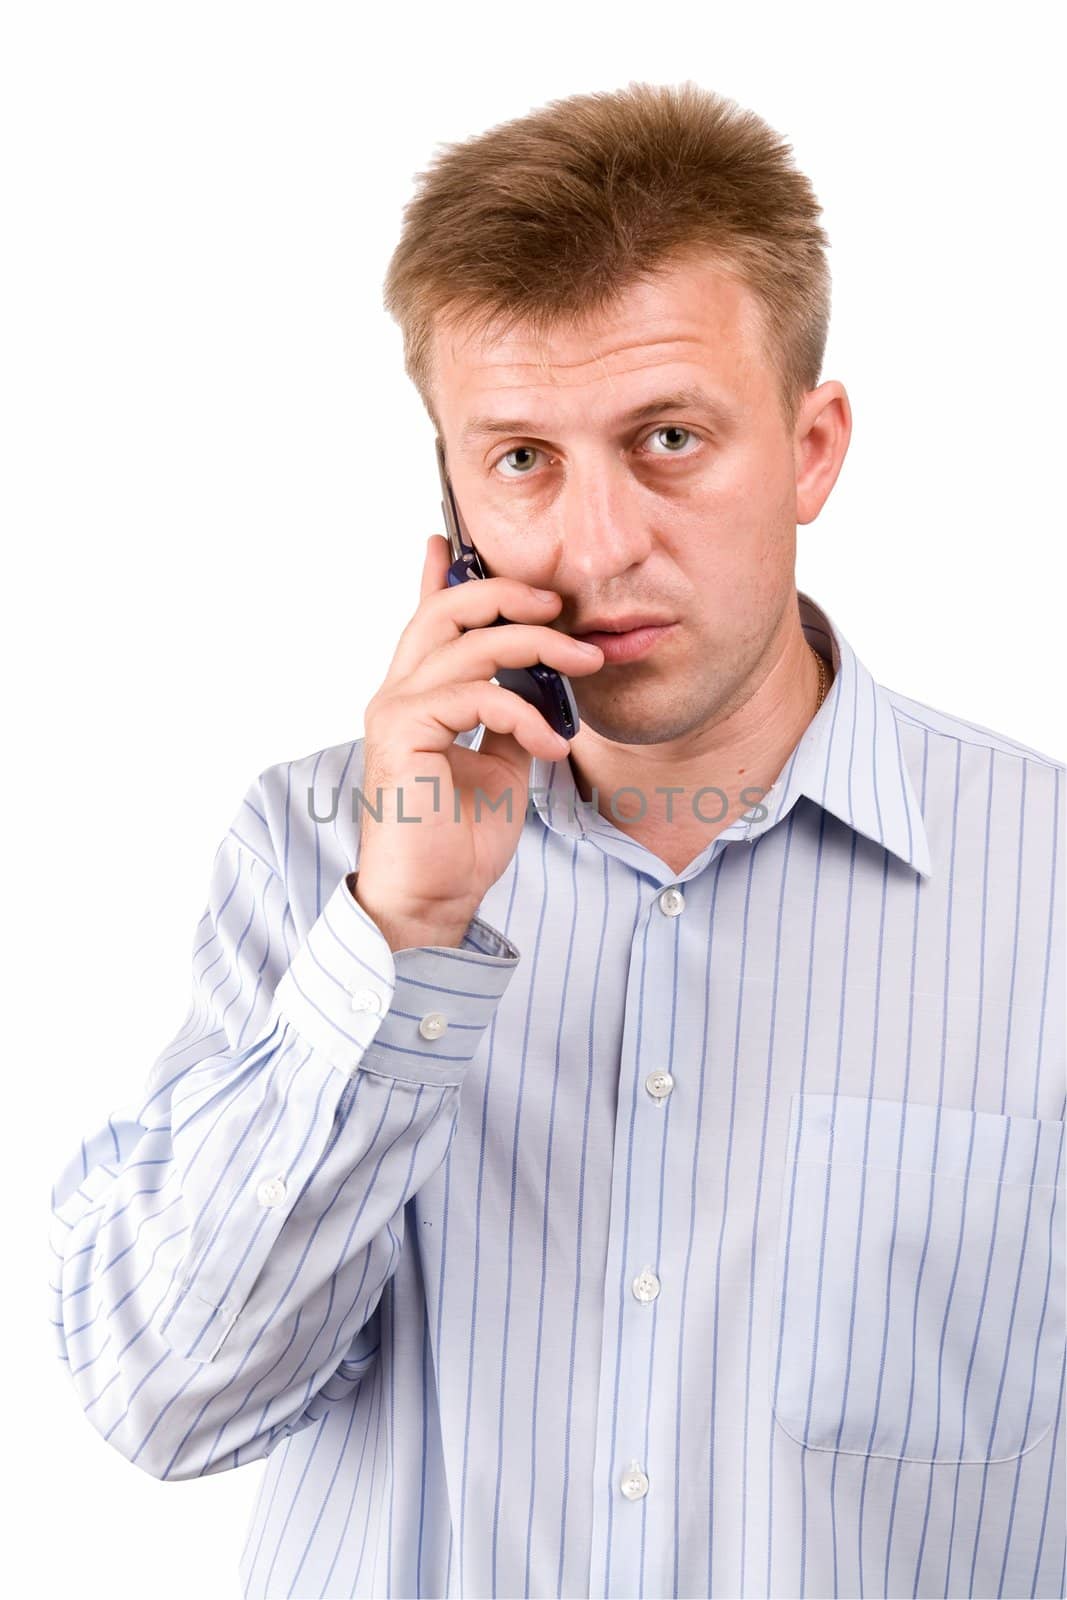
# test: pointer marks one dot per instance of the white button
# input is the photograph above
(634, 1483)
(433, 1025)
(671, 902)
(271, 1192)
(659, 1085)
(646, 1285)
(366, 1000)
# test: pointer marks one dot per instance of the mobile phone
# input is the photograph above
(547, 690)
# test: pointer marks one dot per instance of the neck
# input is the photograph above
(740, 750)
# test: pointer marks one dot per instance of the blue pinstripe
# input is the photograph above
(402, 1270)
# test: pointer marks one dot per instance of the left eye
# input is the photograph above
(673, 447)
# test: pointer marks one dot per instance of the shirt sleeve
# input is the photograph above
(220, 1245)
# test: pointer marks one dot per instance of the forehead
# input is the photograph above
(690, 323)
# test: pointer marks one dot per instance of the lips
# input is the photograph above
(629, 645)
(620, 625)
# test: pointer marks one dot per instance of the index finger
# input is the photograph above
(435, 565)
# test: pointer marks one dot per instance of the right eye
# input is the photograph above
(523, 469)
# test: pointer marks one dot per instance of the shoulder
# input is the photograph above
(979, 789)
(918, 723)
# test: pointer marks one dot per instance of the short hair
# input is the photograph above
(549, 218)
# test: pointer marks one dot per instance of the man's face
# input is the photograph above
(688, 515)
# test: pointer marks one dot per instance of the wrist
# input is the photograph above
(406, 927)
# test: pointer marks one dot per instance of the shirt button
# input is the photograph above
(271, 1192)
(646, 1285)
(659, 1085)
(634, 1483)
(433, 1025)
(366, 1000)
(672, 902)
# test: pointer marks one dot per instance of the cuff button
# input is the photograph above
(366, 1000)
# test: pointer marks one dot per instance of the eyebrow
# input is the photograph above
(691, 399)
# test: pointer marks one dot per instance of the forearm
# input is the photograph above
(219, 1246)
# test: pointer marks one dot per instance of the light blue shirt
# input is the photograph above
(693, 1234)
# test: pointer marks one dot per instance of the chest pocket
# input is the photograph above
(919, 1283)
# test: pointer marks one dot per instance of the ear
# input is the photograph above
(820, 443)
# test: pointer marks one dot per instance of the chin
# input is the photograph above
(655, 729)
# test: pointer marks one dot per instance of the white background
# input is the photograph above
(217, 485)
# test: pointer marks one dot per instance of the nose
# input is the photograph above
(601, 526)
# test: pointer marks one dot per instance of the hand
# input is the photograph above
(429, 876)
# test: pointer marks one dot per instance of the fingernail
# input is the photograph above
(593, 649)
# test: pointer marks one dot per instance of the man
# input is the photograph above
(649, 1181)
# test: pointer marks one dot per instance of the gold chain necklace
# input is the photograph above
(824, 676)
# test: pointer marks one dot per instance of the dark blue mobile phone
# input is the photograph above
(547, 690)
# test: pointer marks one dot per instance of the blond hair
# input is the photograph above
(550, 217)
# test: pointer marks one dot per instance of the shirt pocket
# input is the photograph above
(919, 1284)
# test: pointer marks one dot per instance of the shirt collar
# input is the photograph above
(848, 760)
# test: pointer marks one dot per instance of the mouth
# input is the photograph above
(626, 644)
(625, 622)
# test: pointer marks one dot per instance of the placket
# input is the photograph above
(633, 1498)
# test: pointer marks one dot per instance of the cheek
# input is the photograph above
(743, 578)
(758, 524)
(774, 487)
(748, 491)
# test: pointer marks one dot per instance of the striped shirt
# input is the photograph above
(693, 1234)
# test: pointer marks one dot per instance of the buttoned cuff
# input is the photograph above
(415, 1014)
